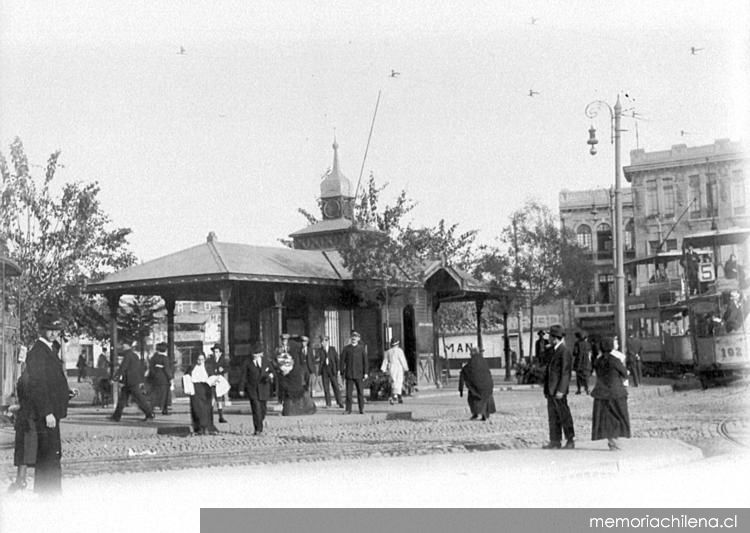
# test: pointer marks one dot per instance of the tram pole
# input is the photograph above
(615, 114)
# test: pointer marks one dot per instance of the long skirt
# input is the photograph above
(298, 405)
(201, 410)
(481, 405)
(610, 419)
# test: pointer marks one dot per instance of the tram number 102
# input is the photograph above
(731, 352)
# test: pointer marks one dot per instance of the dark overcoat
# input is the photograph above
(47, 386)
(557, 371)
(257, 382)
(354, 361)
(131, 370)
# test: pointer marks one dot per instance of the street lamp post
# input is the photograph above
(592, 110)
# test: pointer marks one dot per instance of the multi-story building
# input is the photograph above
(589, 214)
(686, 190)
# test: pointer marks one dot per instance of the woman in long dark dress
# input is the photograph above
(24, 454)
(478, 380)
(610, 419)
(201, 402)
(296, 399)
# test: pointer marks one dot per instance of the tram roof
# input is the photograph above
(735, 235)
(670, 255)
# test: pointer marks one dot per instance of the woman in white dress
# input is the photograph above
(394, 362)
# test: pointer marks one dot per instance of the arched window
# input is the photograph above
(604, 237)
(583, 236)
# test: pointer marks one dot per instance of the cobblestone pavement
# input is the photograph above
(713, 420)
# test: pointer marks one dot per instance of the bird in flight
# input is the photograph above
(182, 51)
(533, 20)
(694, 50)
(532, 92)
(395, 74)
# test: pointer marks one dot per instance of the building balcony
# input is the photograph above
(594, 310)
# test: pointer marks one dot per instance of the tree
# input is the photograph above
(59, 241)
(137, 318)
(547, 262)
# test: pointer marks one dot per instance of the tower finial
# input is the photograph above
(335, 168)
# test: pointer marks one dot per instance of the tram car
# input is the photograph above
(718, 307)
(657, 315)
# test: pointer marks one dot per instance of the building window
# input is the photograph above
(629, 236)
(738, 193)
(604, 237)
(606, 288)
(668, 209)
(712, 196)
(652, 198)
(695, 197)
(332, 327)
(583, 236)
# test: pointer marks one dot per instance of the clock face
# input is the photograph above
(332, 208)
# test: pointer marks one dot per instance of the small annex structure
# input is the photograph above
(305, 290)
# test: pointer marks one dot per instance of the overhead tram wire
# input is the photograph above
(367, 147)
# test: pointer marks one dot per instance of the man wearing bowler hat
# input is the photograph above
(354, 370)
(328, 361)
(556, 381)
(48, 395)
(132, 376)
(257, 380)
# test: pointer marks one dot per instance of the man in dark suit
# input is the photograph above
(48, 395)
(131, 375)
(354, 370)
(257, 380)
(161, 377)
(556, 381)
(633, 357)
(305, 359)
(328, 361)
(582, 362)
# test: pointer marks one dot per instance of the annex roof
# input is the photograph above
(221, 261)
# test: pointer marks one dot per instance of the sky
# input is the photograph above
(234, 135)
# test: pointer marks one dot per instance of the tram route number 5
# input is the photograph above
(706, 272)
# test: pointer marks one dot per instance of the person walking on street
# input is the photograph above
(131, 375)
(218, 365)
(394, 363)
(81, 366)
(582, 362)
(478, 380)
(634, 350)
(610, 419)
(354, 370)
(556, 382)
(256, 381)
(161, 376)
(48, 395)
(328, 361)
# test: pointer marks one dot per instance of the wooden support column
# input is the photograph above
(479, 305)
(225, 294)
(169, 303)
(278, 299)
(436, 341)
(113, 303)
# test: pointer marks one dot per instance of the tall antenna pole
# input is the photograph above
(361, 170)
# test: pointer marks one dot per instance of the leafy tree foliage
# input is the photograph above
(137, 318)
(60, 241)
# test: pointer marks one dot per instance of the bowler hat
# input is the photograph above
(557, 331)
(51, 320)
(257, 348)
(324, 338)
(355, 334)
(161, 347)
(304, 338)
(395, 342)
(217, 347)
